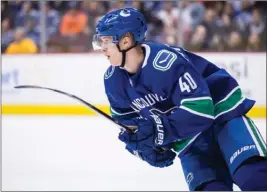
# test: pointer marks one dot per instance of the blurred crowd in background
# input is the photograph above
(68, 26)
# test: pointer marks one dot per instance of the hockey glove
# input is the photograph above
(152, 132)
(142, 139)
(155, 158)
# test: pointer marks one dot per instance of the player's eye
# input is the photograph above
(102, 41)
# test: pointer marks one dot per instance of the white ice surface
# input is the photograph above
(78, 153)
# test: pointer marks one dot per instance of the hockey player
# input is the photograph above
(179, 101)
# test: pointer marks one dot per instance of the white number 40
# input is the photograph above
(187, 85)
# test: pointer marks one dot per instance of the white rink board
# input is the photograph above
(55, 153)
(249, 69)
(82, 74)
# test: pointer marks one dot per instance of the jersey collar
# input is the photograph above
(147, 53)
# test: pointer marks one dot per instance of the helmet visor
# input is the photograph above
(102, 42)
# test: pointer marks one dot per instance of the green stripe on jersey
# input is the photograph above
(258, 139)
(181, 145)
(115, 113)
(202, 106)
(230, 102)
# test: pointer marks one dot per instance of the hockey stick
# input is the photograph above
(77, 98)
(130, 129)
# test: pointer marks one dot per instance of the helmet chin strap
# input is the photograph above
(124, 53)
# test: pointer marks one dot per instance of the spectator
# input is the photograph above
(192, 14)
(15, 6)
(155, 31)
(205, 25)
(31, 31)
(241, 6)
(5, 11)
(243, 16)
(257, 25)
(60, 6)
(262, 5)
(150, 17)
(27, 12)
(228, 9)
(209, 23)
(169, 16)
(254, 43)
(73, 22)
(155, 25)
(6, 34)
(21, 44)
(234, 42)
(256, 29)
(225, 27)
(198, 39)
(52, 20)
(218, 7)
(93, 9)
(116, 5)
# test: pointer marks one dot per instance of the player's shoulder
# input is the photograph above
(112, 73)
(109, 72)
(162, 57)
(112, 77)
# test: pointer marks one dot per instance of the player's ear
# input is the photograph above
(126, 42)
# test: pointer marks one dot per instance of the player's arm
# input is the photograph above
(128, 117)
(229, 99)
(119, 107)
(125, 116)
(194, 111)
(119, 111)
(193, 114)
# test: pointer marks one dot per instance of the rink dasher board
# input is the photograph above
(82, 75)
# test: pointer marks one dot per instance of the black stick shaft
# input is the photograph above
(77, 98)
(85, 103)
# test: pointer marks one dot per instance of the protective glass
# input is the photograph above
(102, 42)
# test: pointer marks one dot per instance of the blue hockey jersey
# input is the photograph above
(229, 102)
(189, 91)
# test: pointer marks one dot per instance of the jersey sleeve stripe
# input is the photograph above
(196, 99)
(229, 103)
(256, 137)
(180, 146)
(202, 106)
(115, 113)
(197, 113)
(228, 95)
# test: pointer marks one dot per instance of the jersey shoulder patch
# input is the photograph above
(164, 60)
(109, 72)
(113, 78)
(160, 56)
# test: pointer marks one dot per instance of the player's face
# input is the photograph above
(109, 48)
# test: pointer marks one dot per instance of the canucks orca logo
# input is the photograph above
(109, 72)
(164, 60)
(125, 13)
